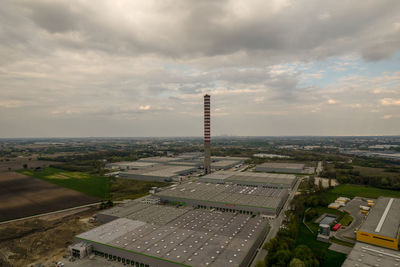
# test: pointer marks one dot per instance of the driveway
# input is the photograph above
(353, 207)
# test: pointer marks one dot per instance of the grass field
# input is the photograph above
(91, 185)
(347, 190)
(378, 172)
(332, 258)
(346, 220)
(131, 189)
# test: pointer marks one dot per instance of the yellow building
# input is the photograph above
(381, 227)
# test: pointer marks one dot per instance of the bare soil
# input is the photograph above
(22, 196)
(44, 240)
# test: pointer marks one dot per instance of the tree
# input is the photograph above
(295, 262)
(281, 258)
(260, 264)
(305, 254)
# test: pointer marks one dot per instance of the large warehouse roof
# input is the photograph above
(162, 170)
(384, 218)
(364, 255)
(197, 238)
(282, 165)
(135, 210)
(252, 177)
(229, 194)
(130, 165)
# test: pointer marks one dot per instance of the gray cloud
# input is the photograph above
(144, 63)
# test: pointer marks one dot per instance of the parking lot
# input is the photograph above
(353, 208)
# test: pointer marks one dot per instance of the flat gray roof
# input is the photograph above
(161, 170)
(384, 218)
(225, 193)
(159, 159)
(131, 164)
(252, 177)
(150, 213)
(365, 255)
(197, 238)
(282, 165)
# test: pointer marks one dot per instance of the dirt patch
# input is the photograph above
(33, 241)
(69, 175)
(22, 196)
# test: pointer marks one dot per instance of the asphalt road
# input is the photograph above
(274, 226)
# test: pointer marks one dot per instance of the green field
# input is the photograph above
(305, 237)
(131, 189)
(377, 172)
(346, 220)
(347, 190)
(90, 185)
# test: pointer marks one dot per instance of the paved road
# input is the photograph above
(49, 213)
(274, 226)
(319, 168)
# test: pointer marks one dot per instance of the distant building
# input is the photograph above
(226, 198)
(280, 167)
(264, 155)
(267, 180)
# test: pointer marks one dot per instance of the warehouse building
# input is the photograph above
(280, 167)
(226, 198)
(159, 173)
(129, 165)
(381, 227)
(365, 255)
(196, 238)
(136, 210)
(267, 180)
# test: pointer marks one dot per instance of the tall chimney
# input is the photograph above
(207, 135)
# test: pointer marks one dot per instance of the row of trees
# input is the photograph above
(351, 176)
(283, 250)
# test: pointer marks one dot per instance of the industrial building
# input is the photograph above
(365, 255)
(169, 168)
(227, 198)
(280, 167)
(129, 165)
(195, 238)
(381, 227)
(159, 173)
(136, 210)
(267, 180)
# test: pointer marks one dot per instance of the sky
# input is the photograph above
(127, 68)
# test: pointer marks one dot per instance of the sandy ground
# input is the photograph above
(42, 240)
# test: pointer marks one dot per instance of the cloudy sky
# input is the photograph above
(73, 68)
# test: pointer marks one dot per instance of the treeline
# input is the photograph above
(284, 250)
(345, 174)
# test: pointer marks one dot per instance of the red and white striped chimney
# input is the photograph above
(207, 135)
